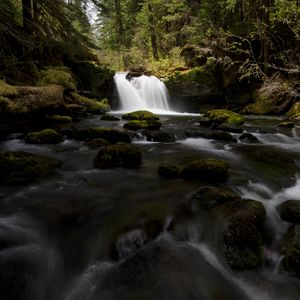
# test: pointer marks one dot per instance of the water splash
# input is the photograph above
(144, 92)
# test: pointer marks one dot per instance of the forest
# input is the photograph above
(149, 149)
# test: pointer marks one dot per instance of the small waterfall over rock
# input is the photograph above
(144, 92)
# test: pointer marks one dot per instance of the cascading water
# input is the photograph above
(144, 92)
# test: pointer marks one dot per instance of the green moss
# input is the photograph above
(46, 136)
(208, 170)
(58, 75)
(136, 125)
(22, 167)
(57, 119)
(261, 107)
(141, 115)
(111, 135)
(7, 90)
(224, 116)
(118, 155)
(168, 170)
(294, 112)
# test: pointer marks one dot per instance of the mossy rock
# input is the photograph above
(207, 170)
(248, 138)
(160, 136)
(227, 127)
(294, 112)
(291, 251)
(208, 197)
(262, 107)
(22, 168)
(287, 125)
(242, 238)
(97, 143)
(141, 115)
(57, 119)
(111, 135)
(290, 211)
(137, 125)
(46, 136)
(93, 106)
(224, 116)
(118, 155)
(168, 170)
(58, 75)
(7, 90)
(107, 117)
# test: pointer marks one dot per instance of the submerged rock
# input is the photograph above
(213, 135)
(207, 170)
(118, 155)
(248, 138)
(111, 135)
(168, 170)
(290, 211)
(46, 136)
(160, 136)
(107, 117)
(142, 115)
(242, 241)
(22, 167)
(220, 116)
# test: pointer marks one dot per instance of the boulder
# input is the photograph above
(220, 116)
(248, 138)
(111, 135)
(46, 136)
(141, 124)
(97, 143)
(161, 137)
(227, 127)
(287, 124)
(118, 155)
(168, 170)
(242, 237)
(57, 119)
(294, 112)
(22, 168)
(141, 115)
(208, 197)
(290, 211)
(207, 170)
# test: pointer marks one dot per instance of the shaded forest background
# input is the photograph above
(261, 37)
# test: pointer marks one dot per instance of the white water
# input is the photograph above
(142, 93)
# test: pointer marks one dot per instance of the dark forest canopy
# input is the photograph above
(264, 34)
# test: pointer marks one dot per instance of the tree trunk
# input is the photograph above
(120, 23)
(27, 15)
(153, 35)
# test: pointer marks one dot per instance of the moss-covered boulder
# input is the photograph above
(46, 136)
(294, 112)
(118, 155)
(58, 75)
(107, 117)
(290, 211)
(208, 197)
(97, 143)
(160, 136)
(141, 124)
(111, 135)
(57, 119)
(22, 168)
(207, 170)
(224, 116)
(141, 115)
(291, 251)
(168, 170)
(228, 127)
(242, 238)
(93, 106)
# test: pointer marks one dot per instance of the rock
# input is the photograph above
(22, 168)
(205, 122)
(228, 128)
(208, 197)
(57, 119)
(287, 124)
(168, 170)
(97, 143)
(141, 115)
(220, 116)
(46, 136)
(111, 135)
(242, 239)
(222, 136)
(290, 211)
(294, 112)
(58, 75)
(207, 170)
(248, 138)
(137, 125)
(118, 155)
(161, 137)
(106, 117)
(291, 251)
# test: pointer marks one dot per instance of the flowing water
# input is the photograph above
(59, 236)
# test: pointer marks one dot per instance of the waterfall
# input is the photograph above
(141, 93)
